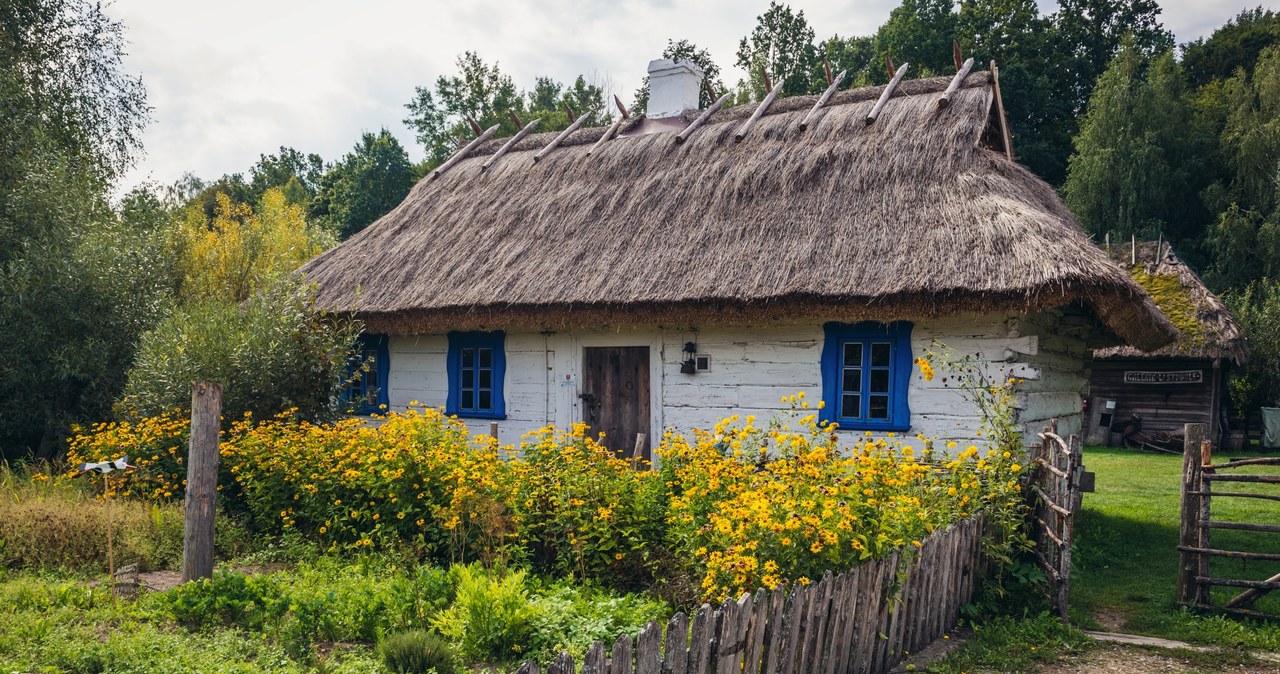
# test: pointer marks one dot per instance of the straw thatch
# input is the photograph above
(1206, 328)
(910, 217)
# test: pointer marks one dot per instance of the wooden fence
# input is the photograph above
(863, 620)
(1199, 475)
(1055, 485)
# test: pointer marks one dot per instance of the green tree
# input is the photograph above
(366, 184)
(479, 90)
(684, 50)
(1257, 308)
(857, 55)
(919, 32)
(1088, 35)
(298, 175)
(781, 44)
(1235, 45)
(1136, 169)
(73, 276)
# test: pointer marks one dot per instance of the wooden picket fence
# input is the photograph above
(863, 620)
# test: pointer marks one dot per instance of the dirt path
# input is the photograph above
(1117, 659)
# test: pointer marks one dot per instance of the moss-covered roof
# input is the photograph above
(1206, 328)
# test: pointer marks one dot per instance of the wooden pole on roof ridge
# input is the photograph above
(621, 108)
(458, 156)
(956, 81)
(711, 92)
(516, 119)
(826, 67)
(888, 66)
(706, 114)
(888, 91)
(764, 77)
(833, 84)
(475, 126)
(559, 139)
(760, 110)
(608, 134)
(1005, 134)
(956, 54)
(524, 131)
(569, 111)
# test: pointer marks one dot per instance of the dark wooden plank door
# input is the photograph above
(615, 395)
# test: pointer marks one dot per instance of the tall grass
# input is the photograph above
(51, 526)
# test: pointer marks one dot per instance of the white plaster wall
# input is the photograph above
(753, 367)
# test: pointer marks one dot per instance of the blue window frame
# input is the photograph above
(367, 395)
(866, 369)
(477, 366)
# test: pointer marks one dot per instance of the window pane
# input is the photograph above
(880, 354)
(851, 406)
(468, 357)
(486, 357)
(879, 407)
(468, 400)
(486, 378)
(853, 354)
(879, 381)
(486, 400)
(852, 380)
(468, 379)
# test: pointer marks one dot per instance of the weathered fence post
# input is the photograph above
(1189, 530)
(202, 481)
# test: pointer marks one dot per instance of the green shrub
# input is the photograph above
(492, 618)
(228, 598)
(418, 652)
(271, 354)
(571, 616)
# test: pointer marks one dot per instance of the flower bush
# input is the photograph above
(760, 506)
(743, 505)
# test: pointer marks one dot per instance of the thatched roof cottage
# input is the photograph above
(638, 282)
(1182, 382)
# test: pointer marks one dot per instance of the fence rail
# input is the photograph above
(861, 621)
(1199, 474)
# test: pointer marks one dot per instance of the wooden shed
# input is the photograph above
(674, 269)
(1181, 383)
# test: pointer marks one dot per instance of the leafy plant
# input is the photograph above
(228, 598)
(418, 652)
(492, 618)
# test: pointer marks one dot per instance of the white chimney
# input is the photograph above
(673, 88)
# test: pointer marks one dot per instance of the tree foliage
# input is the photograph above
(781, 44)
(1236, 45)
(364, 185)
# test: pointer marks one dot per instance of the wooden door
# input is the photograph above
(615, 396)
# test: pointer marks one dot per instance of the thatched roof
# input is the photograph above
(1206, 328)
(913, 216)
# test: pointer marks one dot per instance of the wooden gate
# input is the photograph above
(1199, 475)
(1055, 484)
(615, 397)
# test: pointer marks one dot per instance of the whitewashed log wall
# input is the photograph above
(753, 367)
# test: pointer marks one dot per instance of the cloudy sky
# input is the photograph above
(233, 79)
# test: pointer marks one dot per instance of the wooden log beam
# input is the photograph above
(461, 154)
(1260, 479)
(764, 77)
(559, 139)
(573, 117)
(475, 126)
(826, 68)
(1251, 595)
(888, 91)
(759, 112)
(956, 55)
(1242, 526)
(1241, 494)
(702, 119)
(1233, 554)
(515, 119)
(1267, 461)
(945, 99)
(608, 135)
(510, 143)
(826, 96)
(622, 109)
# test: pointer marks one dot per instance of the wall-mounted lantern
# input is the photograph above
(689, 365)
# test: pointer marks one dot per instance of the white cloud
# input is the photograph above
(235, 79)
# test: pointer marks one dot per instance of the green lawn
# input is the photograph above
(1126, 556)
